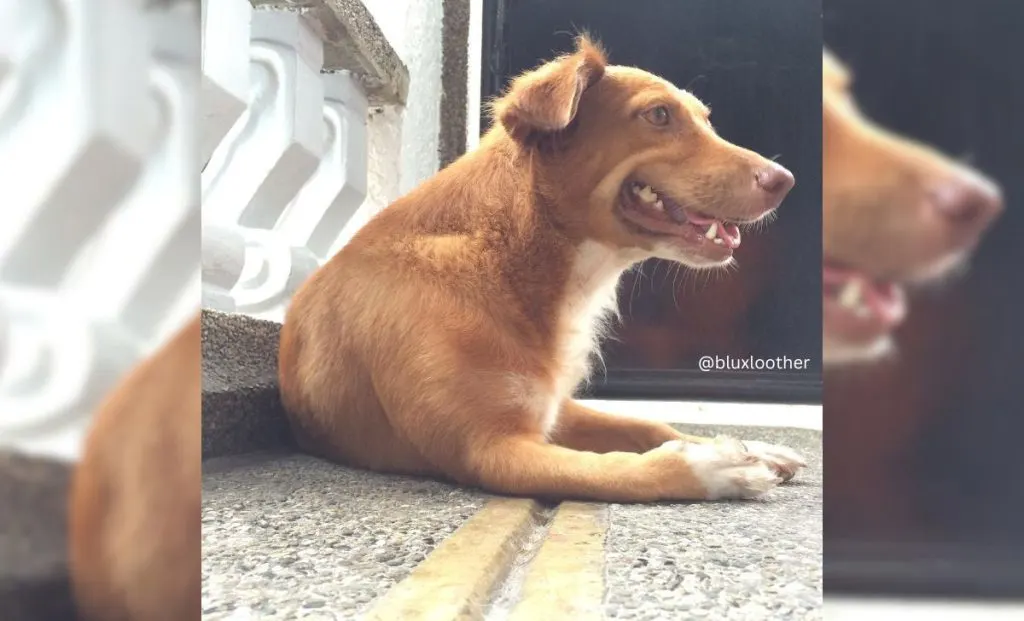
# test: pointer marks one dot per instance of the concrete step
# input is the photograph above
(33, 539)
(288, 536)
(242, 411)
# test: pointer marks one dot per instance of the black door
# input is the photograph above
(757, 64)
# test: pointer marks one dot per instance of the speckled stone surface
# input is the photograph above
(751, 560)
(242, 411)
(33, 540)
(287, 537)
(353, 42)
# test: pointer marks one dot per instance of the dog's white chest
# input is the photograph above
(590, 304)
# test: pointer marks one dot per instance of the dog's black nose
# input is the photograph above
(776, 180)
(968, 200)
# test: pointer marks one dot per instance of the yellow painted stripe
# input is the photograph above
(566, 579)
(455, 581)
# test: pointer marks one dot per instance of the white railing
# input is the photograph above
(286, 151)
(99, 223)
(106, 120)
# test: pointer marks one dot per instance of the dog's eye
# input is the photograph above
(658, 116)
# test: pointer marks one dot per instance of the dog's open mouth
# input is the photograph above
(859, 307)
(655, 213)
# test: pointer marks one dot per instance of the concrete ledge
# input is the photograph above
(242, 410)
(353, 42)
(33, 540)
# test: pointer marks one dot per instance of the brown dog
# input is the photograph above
(134, 511)
(895, 212)
(447, 338)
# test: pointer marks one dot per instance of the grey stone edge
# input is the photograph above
(353, 42)
(34, 584)
(242, 411)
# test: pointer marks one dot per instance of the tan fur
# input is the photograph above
(135, 497)
(876, 214)
(447, 338)
(878, 192)
(875, 190)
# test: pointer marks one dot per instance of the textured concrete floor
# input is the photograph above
(750, 560)
(292, 537)
(288, 537)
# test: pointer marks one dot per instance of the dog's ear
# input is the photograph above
(835, 75)
(545, 99)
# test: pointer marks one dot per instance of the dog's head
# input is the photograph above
(626, 158)
(895, 212)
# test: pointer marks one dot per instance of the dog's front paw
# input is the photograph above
(783, 460)
(724, 469)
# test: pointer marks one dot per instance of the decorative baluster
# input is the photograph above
(146, 258)
(68, 147)
(226, 27)
(97, 149)
(264, 161)
(318, 214)
(225, 89)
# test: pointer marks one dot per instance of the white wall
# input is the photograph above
(413, 27)
(403, 143)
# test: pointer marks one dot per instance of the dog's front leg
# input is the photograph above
(525, 465)
(584, 429)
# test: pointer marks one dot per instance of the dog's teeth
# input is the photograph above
(636, 190)
(712, 231)
(660, 206)
(648, 195)
(861, 311)
(850, 295)
(737, 237)
(718, 240)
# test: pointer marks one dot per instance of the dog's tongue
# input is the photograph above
(727, 231)
(730, 234)
(698, 218)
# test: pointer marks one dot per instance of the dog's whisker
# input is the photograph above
(675, 276)
(694, 81)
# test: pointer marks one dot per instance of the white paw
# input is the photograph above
(725, 470)
(783, 460)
